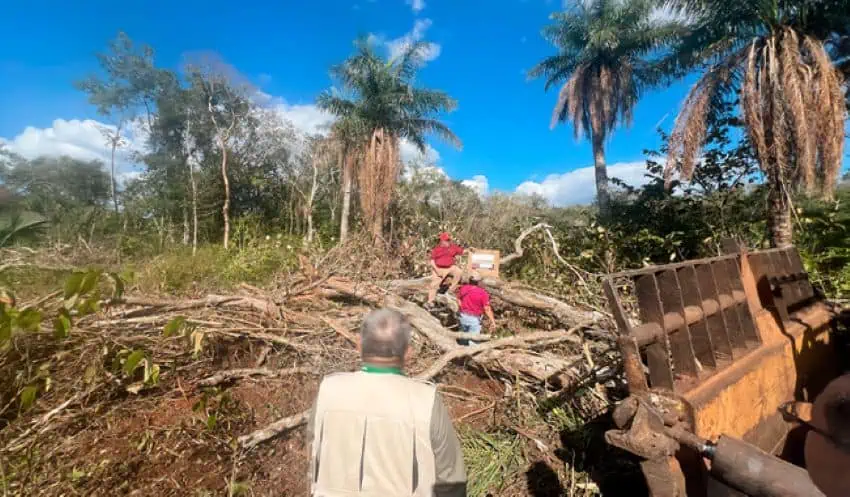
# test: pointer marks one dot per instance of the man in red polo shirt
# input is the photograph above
(474, 303)
(443, 264)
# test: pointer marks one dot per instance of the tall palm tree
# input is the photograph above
(603, 48)
(381, 97)
(349, 135)
(791, 96)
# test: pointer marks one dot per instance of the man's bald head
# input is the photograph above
(384, 334)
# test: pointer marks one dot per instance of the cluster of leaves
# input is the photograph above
(81, 296)
(823, 238)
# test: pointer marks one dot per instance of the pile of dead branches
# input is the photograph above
(306, 326)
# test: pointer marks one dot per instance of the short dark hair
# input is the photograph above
(385, 333)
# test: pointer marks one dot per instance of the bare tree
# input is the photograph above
(114, 140)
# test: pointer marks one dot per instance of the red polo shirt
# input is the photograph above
(445, 256)
(473, 299)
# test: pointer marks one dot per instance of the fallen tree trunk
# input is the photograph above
(566, 314)
(540, 366)
(152, 306)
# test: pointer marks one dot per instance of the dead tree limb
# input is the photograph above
(519, 251)
(460, 352)
(267, 337)
(253, 303)
(566, 314)
(238, 374)
(340, 329)
(273, 430)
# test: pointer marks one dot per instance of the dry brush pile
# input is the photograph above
(107, 393)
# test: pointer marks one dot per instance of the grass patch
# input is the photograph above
(492, 460)
(30, 282)
(213, 268)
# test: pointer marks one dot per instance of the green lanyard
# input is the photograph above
(381, 370)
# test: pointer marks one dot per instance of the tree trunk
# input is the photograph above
(194, 208)
(185, 225)
(347, 164)
(112, 176)
(225, 209)
(314, 187)
(601, 171)
(779, 218)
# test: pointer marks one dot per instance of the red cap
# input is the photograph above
(444, 237)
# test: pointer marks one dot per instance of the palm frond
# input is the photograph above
(335, 104)
(20, 226)
(421, 127)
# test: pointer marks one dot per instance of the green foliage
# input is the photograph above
(174, 327)
(385, 95)
(20, 226)
(58, 187)
(492, 459)
(823, 238)
(217, 408)
(603, 47)
(212, 267)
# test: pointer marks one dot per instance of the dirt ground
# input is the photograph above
(163, 442)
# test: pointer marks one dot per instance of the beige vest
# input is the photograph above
(371, 436)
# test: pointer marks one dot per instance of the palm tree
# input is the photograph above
(381, 97)
(790, 93)
(603, 47)
(349, 136)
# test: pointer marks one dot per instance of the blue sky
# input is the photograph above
(482, 51)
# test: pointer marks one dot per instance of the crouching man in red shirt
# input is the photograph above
(474, 303)
(443, 264)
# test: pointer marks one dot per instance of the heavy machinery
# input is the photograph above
(727, 361)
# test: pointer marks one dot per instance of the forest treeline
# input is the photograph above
(760, 141)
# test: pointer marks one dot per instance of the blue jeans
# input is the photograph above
(469, 324)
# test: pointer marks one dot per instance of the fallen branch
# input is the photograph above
(566, 314)
(340, 329)
(253, 303)
(266, 337)
(539, 366)
(519, 251)
(19, 442)
(238, 374)
(476, 412)
(461, 352)
(275, 429)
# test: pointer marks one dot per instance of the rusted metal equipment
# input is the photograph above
(712, 348)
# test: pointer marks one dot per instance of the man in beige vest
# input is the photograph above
(379, 433)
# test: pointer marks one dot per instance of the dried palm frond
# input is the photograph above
(799, 114)
(689, 130)
(793, 107)
(751, 103)
(831, 112)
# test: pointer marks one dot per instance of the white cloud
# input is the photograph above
(416, 5)
(579, 186)
(408, 152)
(397, 46)
(79, 139)
(479, 184)
(306, 117)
